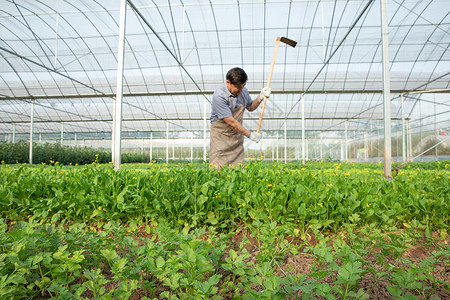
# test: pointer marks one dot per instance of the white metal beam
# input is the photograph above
(386, 90)
(117, 117)
(31, 132)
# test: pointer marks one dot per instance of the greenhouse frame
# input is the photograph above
(138, 76)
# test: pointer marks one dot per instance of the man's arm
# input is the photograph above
(236, 126)
(254, 105)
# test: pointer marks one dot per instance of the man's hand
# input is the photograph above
(265, 92)
(255, 136)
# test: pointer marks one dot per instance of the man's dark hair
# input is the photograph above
(237, 76)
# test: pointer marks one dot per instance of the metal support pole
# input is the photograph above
(346, 140)
(204, 128)
(113, 130)
(403, 130)
(420, 147)
(277, 145)
(386, 90)
(435, 128)
(31, 132)
(303, 128)
(14, 134)
(167, 142)
(75, 140)
(62, 133)
(408, 129)
(285, 141)
(117, 117)
(151, 147)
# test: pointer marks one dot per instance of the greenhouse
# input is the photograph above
(344, 193)
(60, 62)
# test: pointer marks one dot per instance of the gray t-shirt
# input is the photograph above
(223, 102)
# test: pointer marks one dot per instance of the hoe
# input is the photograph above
(290, 43)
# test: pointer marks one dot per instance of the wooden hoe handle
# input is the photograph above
(268, 84)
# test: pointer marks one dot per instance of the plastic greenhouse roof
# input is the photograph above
(63, 55)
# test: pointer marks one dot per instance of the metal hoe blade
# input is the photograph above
(288, 41)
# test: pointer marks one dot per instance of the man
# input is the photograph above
(227, 133)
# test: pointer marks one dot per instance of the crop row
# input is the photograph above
(200, 196)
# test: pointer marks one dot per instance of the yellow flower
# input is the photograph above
(320, 204)
(329, 185)
(243, 204)
(99, 208)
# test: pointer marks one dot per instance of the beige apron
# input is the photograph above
(226, 146)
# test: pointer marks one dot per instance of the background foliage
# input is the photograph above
(12, 153)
